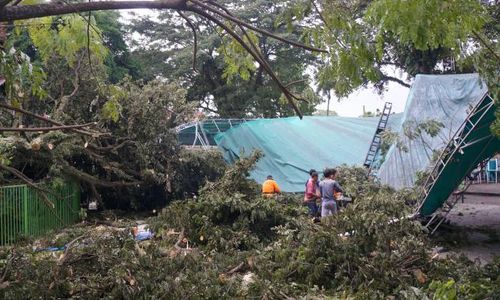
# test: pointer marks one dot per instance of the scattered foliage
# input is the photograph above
(230, 242)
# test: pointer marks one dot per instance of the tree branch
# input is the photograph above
(4, 3)
(64, 99)
(256, 56)
(110, 148)
(486, 44)
(263, 62)
(80, 175)
(28, 113)
(195, 37)
(320, 14)
(250, 26)
(30, 183)
(45, 129)
(296, 82)
(12, 13)
(397, 80)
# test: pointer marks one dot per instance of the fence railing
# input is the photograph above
(25, 212)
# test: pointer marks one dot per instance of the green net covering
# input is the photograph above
(292, 146)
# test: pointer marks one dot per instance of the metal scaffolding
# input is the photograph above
(202, 133)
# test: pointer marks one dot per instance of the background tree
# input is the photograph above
(222, 80)
(119, 61)
(365, 39)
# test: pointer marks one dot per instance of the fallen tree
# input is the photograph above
(230, 242)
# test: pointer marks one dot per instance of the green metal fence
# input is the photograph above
(24, 212)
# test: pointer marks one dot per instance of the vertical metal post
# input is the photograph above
(25, 210)
(2, 200)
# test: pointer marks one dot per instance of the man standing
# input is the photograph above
(328, 189)
(270, 187)
(312, 194)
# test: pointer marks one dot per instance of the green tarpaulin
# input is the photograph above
(292, 146)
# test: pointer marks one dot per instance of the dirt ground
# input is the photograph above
(475, 224)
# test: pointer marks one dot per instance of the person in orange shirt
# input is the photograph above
(270, 187)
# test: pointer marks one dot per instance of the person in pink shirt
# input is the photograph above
(312, 194)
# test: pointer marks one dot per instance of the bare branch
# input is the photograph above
(320, 14)
(7, 265)
(65, 99)
(235, 269)
(397, 80)
(195, 37)
(28, 113)
(88, 43)
(45, 129)
(250, 26)
(12, 13)
(263, 60)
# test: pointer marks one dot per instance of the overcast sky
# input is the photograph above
(351, 106)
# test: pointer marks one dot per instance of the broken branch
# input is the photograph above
(28, 113)
(30, 183)
(45, 129)
(236, 269)
(74, 172)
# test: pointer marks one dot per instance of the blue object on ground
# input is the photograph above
(143, 235)
(51, 249)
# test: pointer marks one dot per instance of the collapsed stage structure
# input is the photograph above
(292, 147)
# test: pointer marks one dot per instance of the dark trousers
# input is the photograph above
(313, 208)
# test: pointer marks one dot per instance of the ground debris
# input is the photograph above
(231, 243)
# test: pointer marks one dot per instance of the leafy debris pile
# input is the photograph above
(230, 242)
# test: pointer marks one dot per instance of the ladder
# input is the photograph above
(377, 138)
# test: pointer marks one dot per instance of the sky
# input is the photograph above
(351, 106)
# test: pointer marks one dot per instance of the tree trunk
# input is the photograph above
(328, 104)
